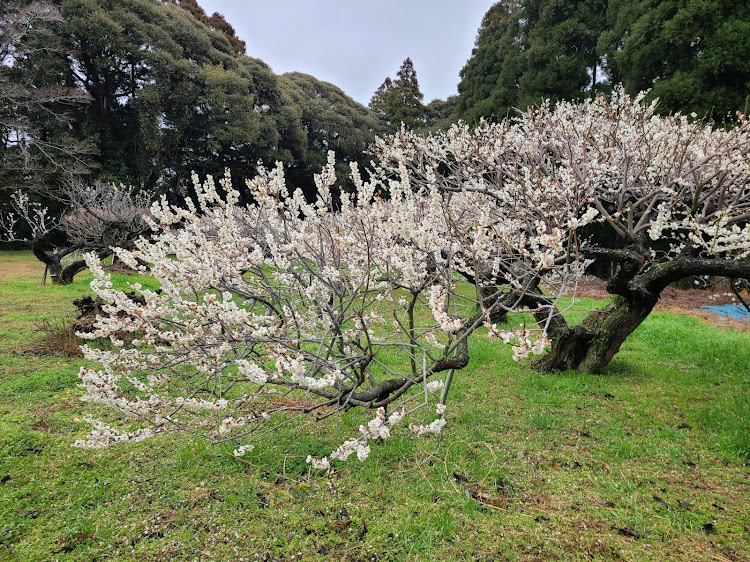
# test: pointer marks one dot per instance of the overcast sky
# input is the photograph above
(355, 44)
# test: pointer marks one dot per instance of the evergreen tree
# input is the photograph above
(693, 55)
(560, 62)
(490, 80)
(440, 114)
(331, 120)
(400, 101)
(170, 95)
(529, 50)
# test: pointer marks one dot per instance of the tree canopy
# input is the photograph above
(692, 55)
(331, 121)
(400, 101)
(145, 92)
(695, 56)
(169, 95)
(529, 50)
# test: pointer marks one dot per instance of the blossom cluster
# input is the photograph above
(274, 310)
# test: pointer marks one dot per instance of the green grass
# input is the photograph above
(532, 466)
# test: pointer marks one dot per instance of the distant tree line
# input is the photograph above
(694, 56)
(143, 92)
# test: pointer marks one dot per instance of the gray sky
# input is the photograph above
(355, 44)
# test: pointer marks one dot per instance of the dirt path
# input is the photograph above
(677, 301)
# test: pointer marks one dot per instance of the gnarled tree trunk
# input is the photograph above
(592, 344)
(637, 284)
(59, 274)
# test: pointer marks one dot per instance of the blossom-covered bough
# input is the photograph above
(282, 307)
(605, 185)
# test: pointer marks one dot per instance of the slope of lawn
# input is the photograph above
(648, 461)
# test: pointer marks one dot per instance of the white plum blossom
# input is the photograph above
(243, 450)
(434, 386)
(319, 464)
(281, 296)
(434, 427)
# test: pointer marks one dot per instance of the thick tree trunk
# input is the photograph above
(489, 296)
(67, 274)
(60, 275)
(52, 261)
(591, 345)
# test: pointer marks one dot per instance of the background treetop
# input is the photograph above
(693, 56)
(400, 101)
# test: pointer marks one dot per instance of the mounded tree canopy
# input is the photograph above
(331, 121)
(169, 95)
(216, 22)
(440, 114)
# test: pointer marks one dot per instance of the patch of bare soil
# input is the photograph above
(20, 270)
(676, 301)
(119, 267)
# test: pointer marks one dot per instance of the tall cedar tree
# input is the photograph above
(400, 101)
(694, 56)
(529, 50)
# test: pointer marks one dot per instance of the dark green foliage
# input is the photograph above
(560, 61)
(330, 120)
(693, 55)
(489, 81)
(164, 92)
(169, 94)
(216, 22)
(528, 50)
(440, 114)
(400, 101)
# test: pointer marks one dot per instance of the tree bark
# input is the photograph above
(60, 275)
(637, 284)
(52, 261)
(591, 345)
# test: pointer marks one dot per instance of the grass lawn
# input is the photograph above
(648, 461)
